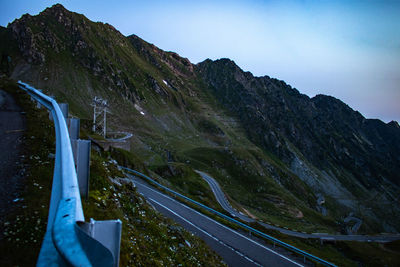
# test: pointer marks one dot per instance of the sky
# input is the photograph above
(344, 48)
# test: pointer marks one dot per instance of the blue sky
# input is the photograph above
(347, 49)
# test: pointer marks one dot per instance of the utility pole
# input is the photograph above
(104, 121)
(94, 115)
(100, 106)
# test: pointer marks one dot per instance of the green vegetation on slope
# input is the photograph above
(148, 238)
(25, 226)
(179, 113)
(243, 130)
(341, 253)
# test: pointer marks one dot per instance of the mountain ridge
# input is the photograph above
(273, 148)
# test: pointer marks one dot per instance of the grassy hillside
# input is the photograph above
(148, 238)
(202, 116)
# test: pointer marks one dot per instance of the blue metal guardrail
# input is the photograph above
(251, 229)
(68, 241)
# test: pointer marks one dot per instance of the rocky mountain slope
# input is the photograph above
(322, 139)
(276, 152)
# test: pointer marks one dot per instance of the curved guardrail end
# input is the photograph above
(74, 245)
(48, 254)
(65, 237)
(98, 254)
(107, 232)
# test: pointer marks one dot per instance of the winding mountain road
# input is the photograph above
(236, 248)
(220, 196)
(125, 136)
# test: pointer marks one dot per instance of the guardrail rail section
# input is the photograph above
(244, 226)
(69, 240)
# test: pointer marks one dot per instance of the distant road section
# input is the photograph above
(236, 248)
(220, 196)
(125, 136)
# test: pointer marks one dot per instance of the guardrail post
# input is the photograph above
(108, 233)
(64, 109)
(73, 128)
(38, 105)
(81, 151)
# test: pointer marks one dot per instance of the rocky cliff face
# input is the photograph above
(58, 37)
(333, 148)
(273, 148)
(324, 129)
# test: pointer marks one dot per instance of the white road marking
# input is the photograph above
(270, 250)
(205, 232)
(226, 205)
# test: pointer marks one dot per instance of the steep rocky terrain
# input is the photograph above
(273, 150)
(322, 139)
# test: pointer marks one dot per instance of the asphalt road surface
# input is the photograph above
(236, 248)
(220, 196)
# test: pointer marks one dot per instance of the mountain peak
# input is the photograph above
(224, 63)
(57, 11)
(220, 61)
(394, 124)
(54, 9)
(76, 58)
(58, 7)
